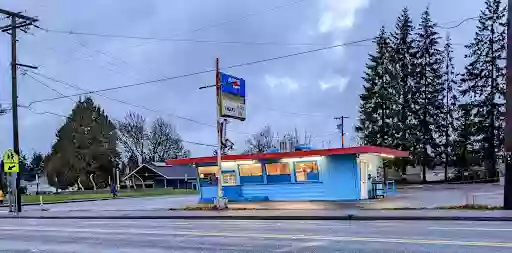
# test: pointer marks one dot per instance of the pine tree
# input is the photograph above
(374, 106)
(428, 91)
(465, 150)
(447, 129)
(86, 145)
(484, 80)
(401, 86)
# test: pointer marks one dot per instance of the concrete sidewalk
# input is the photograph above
(498, 215)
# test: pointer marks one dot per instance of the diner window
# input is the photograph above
(250, 173)
(207, 175)
(306, 171)
(228, 177)
(278, 173)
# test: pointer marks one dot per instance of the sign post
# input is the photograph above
(230, 92)
(220, 194)
(11, 165)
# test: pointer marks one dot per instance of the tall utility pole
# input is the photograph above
(507, 195)
(18, 21)
(341, 129)
(220, 193)
(221, 125)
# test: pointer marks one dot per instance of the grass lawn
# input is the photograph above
(122, 193)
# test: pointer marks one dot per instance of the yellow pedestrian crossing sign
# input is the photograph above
(11, 161)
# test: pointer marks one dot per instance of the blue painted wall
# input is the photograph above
(208, 193)
(342, 177)
(339, 179)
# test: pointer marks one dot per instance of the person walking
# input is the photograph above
(1, 197)
(113, 190)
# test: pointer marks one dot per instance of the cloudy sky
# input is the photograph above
(303, 92)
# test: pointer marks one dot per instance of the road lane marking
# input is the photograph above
(267, 236)
(295, 248)
(475, 228)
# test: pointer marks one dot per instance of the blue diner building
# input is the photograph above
(325, 174)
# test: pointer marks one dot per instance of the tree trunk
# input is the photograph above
(92, 181)
(80, 184)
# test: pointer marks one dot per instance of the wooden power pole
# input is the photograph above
(341, 128)
(507, 198)
(22, 22)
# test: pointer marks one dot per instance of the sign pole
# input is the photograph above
(9, 190)
(220, 194)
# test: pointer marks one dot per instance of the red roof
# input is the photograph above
(295, 154)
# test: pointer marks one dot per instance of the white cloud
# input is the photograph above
(285, 83)
(339, 14)
(339, 82)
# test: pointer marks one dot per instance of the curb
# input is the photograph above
(66, 201)
(243, 217)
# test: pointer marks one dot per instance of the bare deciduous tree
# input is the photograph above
(260, 142)
(165, 142)
(133, 135)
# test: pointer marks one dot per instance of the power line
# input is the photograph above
(204, 71)
(42, 113)
(64, 116)
(46, 85)
(230, 67)
(217, 24)
(237, 19)
(458, 24)
(171, 39)
(132, 104)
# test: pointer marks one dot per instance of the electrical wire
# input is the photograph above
(132, 104)
(41, 113)
(204, 71)
(47, 86)
(229, 67)
(170, 39)
(460, 23)
(63, 116)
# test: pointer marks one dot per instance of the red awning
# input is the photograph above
(295, 154)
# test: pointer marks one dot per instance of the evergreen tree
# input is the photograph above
(465, 150)
(374, 127)
(401, 106)
(447, 128)
(484, 80)
(86, 145)
(428, 91)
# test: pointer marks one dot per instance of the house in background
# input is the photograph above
(160, 175)
(40, 185)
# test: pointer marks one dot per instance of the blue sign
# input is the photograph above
(232, 84)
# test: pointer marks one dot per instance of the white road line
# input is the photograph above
(264, 236)
(298, 246)
(475, 228)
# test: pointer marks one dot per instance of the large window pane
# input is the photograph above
(306, 171)
(277, 168)
(207, 175)
(250, 173)
(228, 178)
(250, 170)
(278, 173)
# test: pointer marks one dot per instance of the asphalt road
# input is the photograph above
(252, 236)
